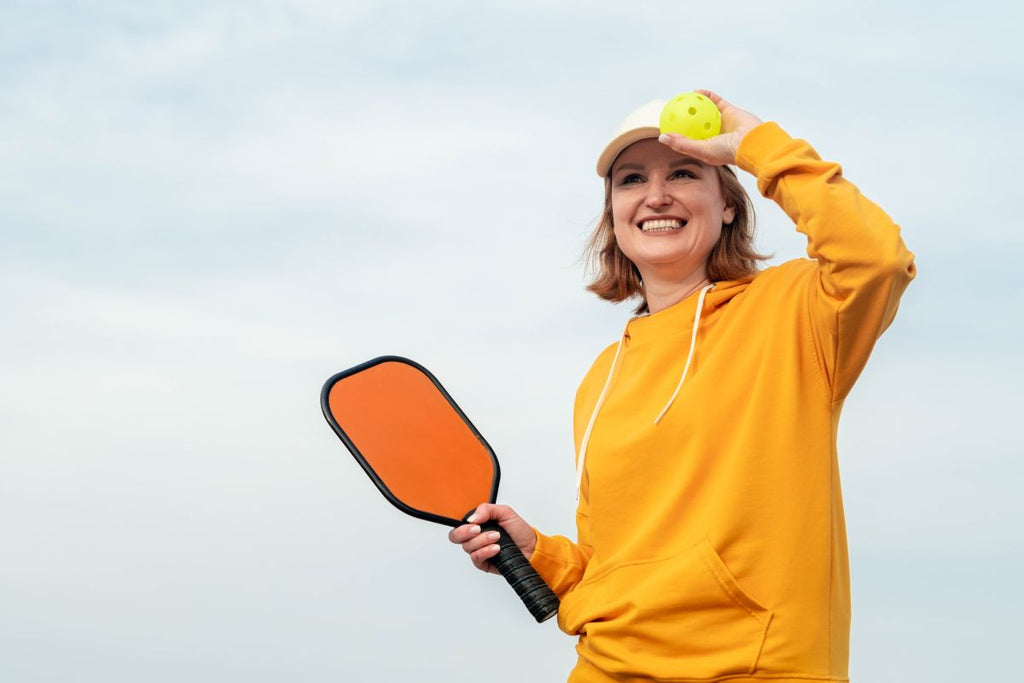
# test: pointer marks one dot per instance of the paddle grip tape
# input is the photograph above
(520, 574)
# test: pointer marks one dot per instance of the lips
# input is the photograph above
(661, 224)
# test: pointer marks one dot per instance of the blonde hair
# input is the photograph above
(733, 256)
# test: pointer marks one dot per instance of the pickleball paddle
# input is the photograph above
(425, 456)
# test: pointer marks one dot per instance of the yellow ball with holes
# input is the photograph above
(691, 114)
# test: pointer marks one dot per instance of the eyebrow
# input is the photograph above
(685, 161)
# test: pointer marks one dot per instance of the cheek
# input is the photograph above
(621, 238)
(621, 224)
(714, 236)
(620, 214)
(624, 238)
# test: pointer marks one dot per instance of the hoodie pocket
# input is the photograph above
(684, 616)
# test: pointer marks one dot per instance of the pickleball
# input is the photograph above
(691, 114)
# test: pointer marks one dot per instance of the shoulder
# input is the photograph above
(603, 360)
(785, 277)
(795, 269)
(774, 290)
(598, 371)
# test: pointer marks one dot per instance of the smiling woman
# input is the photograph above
(717, 219)
(711, 544)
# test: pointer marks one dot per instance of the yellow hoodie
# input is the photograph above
(712, 545)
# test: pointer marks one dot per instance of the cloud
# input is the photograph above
(208, 209)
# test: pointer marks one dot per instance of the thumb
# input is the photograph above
(717, 151)
(697, 149)
(490, 512)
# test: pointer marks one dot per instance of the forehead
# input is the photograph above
(649, 152)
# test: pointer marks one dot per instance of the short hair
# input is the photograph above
(616, 278)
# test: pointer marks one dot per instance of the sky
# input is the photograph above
(206, 209)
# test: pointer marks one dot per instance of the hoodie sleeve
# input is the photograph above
(558, 560)
(863, 264)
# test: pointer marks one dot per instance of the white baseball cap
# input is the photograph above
(641, 124)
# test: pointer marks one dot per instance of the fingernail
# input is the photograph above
(494, 536)
(496, 548)
(471, 518)
(474, 529)
(663, 138)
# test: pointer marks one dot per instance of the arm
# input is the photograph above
(559, 561)
(863, 265)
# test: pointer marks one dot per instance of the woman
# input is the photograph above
(711, 541)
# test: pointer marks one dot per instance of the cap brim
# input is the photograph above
(614, 148)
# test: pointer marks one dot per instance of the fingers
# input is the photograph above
(488, 512)
(728, 109)
(482, 556)
(698, 149)
(469, 536)
(734, 119)
(717, 150)
(714, 97)
(471, 539)
(481, 546)
(517, 528)
(482, 513)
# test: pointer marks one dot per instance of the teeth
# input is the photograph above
(661, 225)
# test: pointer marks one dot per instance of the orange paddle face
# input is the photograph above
(411, 438)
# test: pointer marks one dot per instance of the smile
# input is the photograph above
(661, 224)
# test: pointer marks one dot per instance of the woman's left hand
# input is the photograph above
(720, 149)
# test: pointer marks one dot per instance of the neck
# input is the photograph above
(661, 295)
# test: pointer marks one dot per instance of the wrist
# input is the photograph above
(530, 546)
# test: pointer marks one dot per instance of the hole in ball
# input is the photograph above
(692, 110)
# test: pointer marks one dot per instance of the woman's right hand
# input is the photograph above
(482, 546)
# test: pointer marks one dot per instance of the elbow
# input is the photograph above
(894, 263)
(889, 270)
(901, 266)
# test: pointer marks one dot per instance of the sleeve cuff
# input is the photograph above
(759, 144)
(544, 555)
(550, 560)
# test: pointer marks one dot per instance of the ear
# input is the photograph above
(728, 215)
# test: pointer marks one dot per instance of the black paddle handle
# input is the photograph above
(520, 574)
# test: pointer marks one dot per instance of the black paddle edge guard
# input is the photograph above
(520, 574)
(325, 407)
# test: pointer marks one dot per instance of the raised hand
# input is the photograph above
(720, 149)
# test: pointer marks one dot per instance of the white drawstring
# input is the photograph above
(607, 383)
(689, 356)
(593, 416)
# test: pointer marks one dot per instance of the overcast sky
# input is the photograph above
(208, 208)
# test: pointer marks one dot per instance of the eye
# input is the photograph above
(683, 173)
(631, 178)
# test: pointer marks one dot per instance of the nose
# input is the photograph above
(657, 194)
